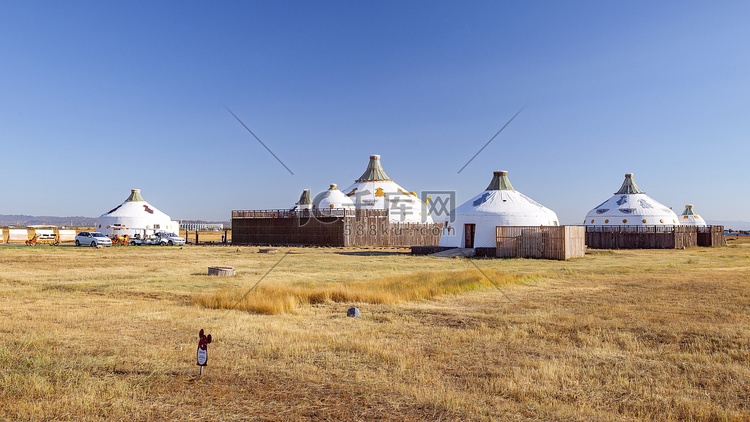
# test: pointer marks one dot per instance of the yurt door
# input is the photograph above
(469, 230)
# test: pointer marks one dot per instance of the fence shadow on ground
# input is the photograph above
(374, 253)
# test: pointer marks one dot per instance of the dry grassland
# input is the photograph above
(278, 299)
(110, 334)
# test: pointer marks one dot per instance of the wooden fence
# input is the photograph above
(66, 235)
(485, 252)
(22, 235)
(17, 235)
(641, 237)
(547, 242)
(711, 236)
(328, 231)
(307, 213)
(375, 229)
(335, 227)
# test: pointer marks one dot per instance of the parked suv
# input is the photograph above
(92, 239)
(169, 239)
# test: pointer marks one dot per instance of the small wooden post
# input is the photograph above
(196, 237)
(225, 236)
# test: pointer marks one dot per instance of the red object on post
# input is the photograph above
(203, 341)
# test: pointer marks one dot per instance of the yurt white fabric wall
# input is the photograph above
(630, 206)
(374, 190)
(499, 205)
(333, 198)
(135, 213)
(690, 218)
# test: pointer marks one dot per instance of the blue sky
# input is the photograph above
(99, 98)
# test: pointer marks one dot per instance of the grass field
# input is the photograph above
(107, 334)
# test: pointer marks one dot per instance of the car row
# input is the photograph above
(95, 239)
(159, 238)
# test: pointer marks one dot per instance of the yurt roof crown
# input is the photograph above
(305, 199)
(374, 172)
(688, 210)
(629, 186)
(135, 196)
(500, 181)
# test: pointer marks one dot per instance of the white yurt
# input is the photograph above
(305, 202)
(630, 206)
(333, 198)
(690, 218)
(374, 190)
(498, 205)
(135, 213)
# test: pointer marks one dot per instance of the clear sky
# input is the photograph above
(97, 98)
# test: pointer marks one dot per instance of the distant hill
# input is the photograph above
(30, 220)
(225, 223)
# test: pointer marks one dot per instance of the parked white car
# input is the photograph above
(92, 239)
(170, 239)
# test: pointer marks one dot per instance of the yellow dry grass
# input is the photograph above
(272, 300)
(110, 334)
